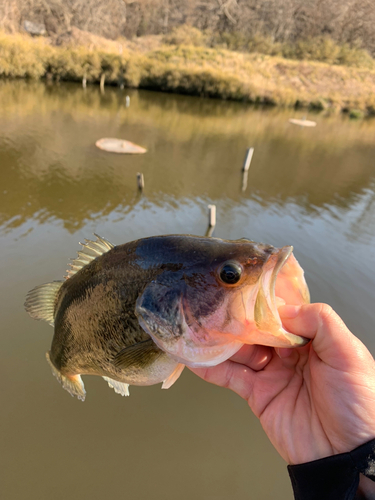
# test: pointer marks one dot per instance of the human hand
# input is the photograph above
(314, 401)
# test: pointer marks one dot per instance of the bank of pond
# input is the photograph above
(203, 71)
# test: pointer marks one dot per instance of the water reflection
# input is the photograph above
(310, 188)
(51, 167)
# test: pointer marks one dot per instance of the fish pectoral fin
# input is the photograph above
(73, 384)
(168, 382)
(118, 387)
(138, 355)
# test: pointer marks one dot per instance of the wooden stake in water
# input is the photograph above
(140, 181)
(248, 158)
(84, 81)
(102, 82)
(127, 101)
(245, 175)
(211, 220)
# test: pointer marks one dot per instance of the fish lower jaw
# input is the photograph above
(205, 356)
(282, 273)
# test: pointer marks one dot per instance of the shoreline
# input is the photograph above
(199, 71)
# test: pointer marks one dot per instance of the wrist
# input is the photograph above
(366, 489)
(334, 477)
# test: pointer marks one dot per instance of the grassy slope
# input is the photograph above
(196, 70)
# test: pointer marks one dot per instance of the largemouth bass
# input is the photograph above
(137, 313)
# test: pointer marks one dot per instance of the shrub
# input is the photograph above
(113, 66)
(134, 71)
(186, 35)
(313, 49)
(264, 45)
(324, 49)
(20, 58)
(356, 114)
(354, 56)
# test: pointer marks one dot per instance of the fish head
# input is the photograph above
(202, 311)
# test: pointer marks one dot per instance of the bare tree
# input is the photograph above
(345, 21)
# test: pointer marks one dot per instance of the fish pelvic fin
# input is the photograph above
(118, 387)
(169, 381)
(89, 252)
(41, 300)
(73, 384)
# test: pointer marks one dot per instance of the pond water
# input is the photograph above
(312, 188)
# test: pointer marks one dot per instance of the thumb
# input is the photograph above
(332, 341)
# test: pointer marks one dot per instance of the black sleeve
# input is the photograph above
(335, 477)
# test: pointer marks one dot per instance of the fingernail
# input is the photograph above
(289, 312)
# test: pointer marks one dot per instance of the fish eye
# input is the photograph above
(231, 273)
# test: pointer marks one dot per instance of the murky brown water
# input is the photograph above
(313, 188)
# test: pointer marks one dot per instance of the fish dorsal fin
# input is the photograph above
(41, 300)
(91, 250)
(118, 387)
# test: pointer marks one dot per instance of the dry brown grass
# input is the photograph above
(194, 70)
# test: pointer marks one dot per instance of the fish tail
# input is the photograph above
(73, 383)
(41, 300)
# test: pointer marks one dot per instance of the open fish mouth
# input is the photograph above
(282, 278)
